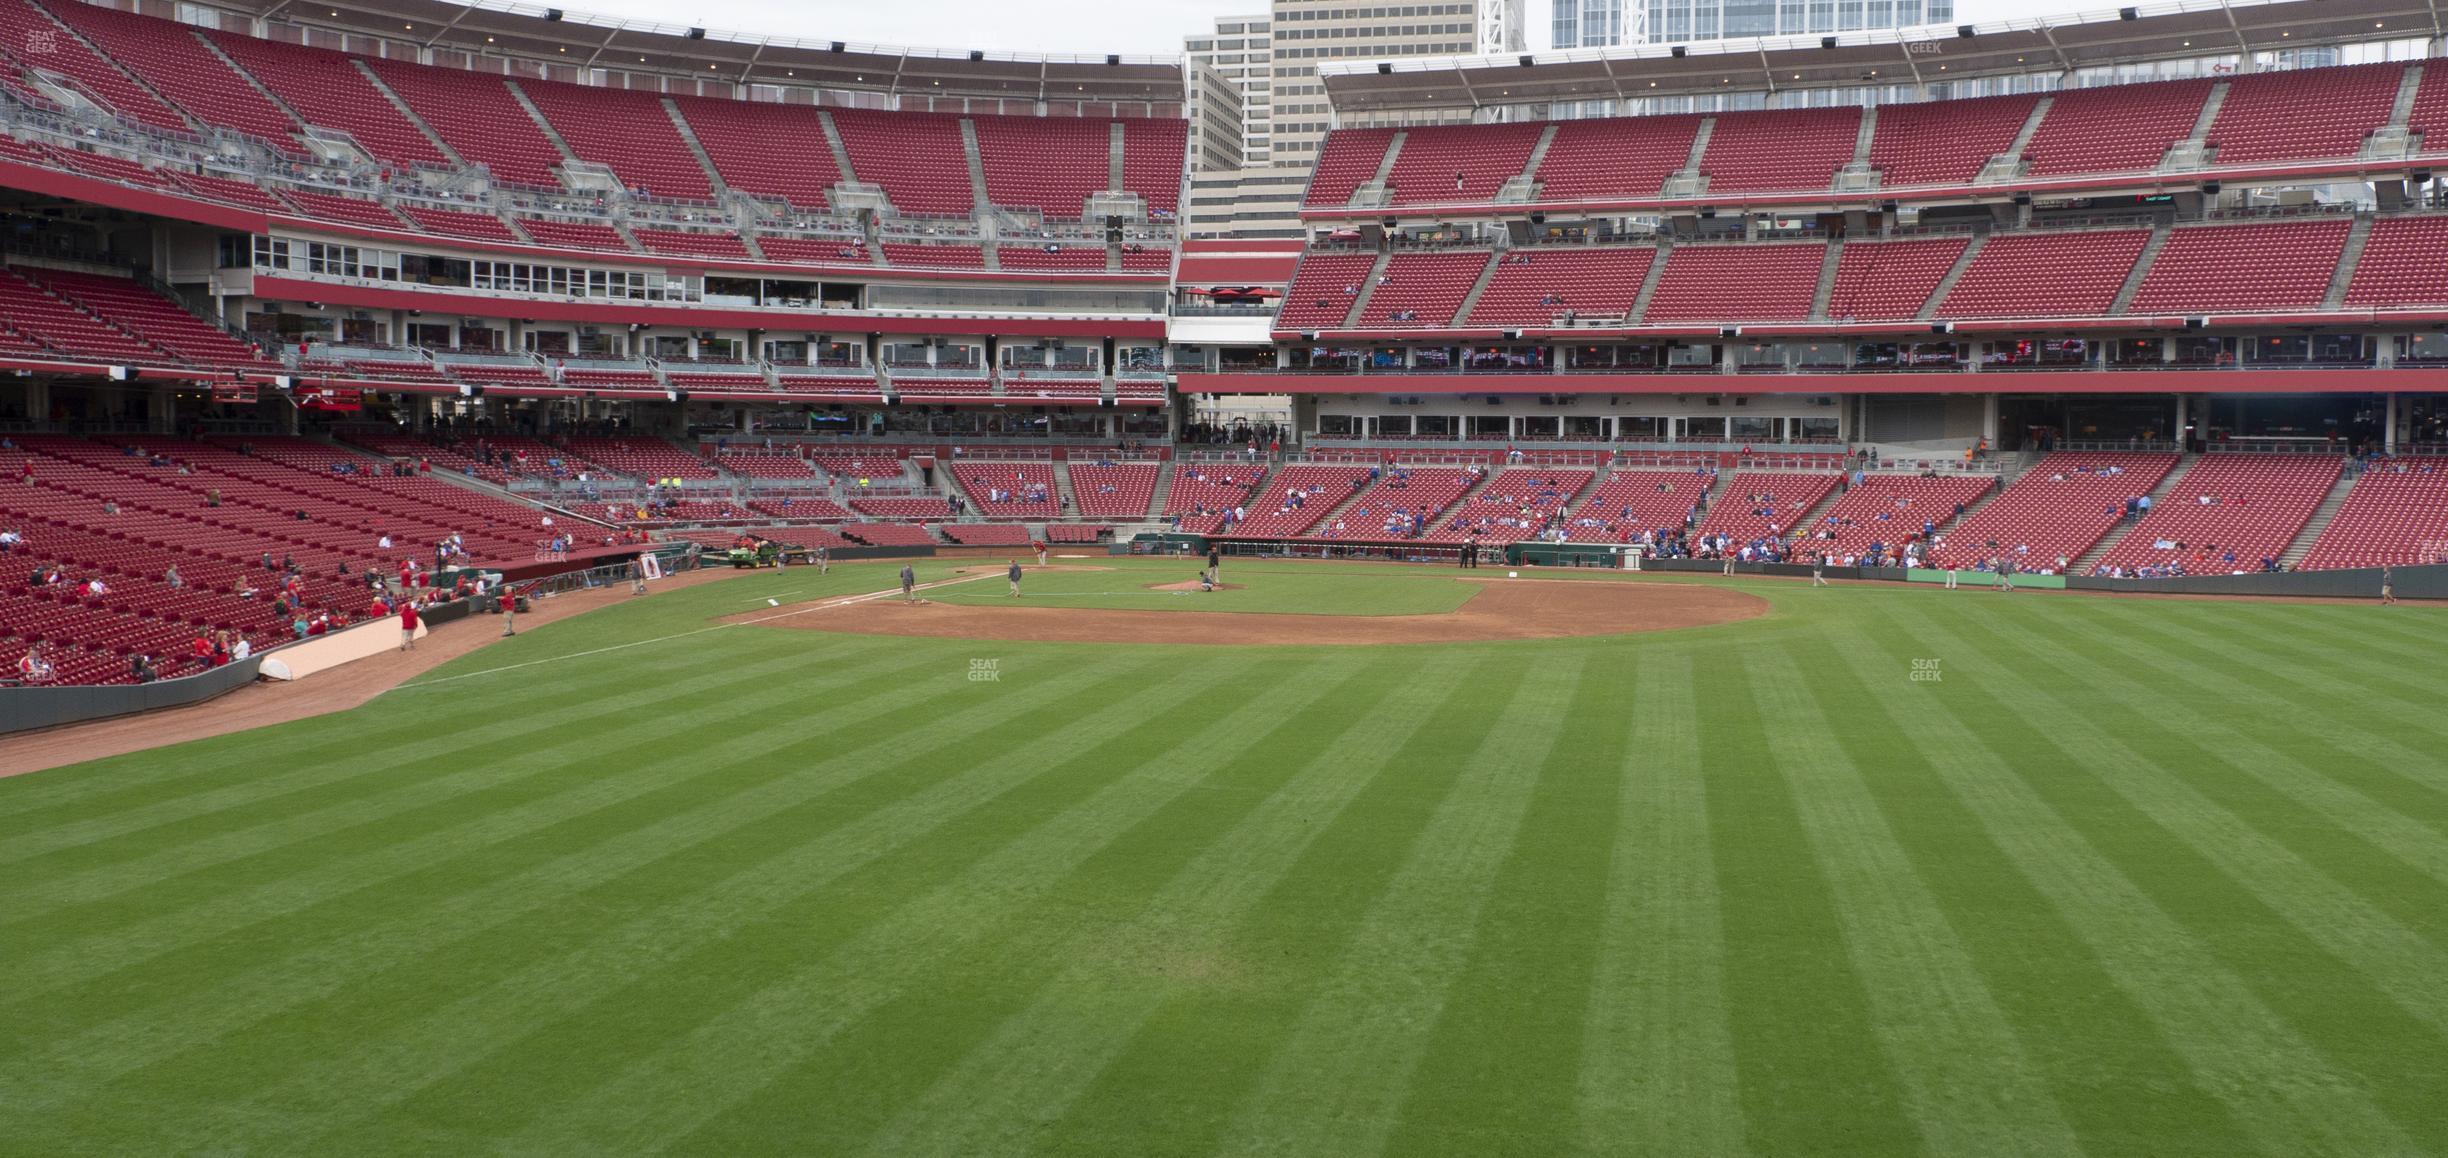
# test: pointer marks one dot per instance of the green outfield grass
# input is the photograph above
(1887, 871)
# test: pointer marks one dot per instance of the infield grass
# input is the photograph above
(1890, 870)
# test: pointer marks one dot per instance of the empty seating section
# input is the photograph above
(915, 387)
(1076, 532)
(2265, 266)
(853, 466)
(2039, 275)
(170, 58)
(1624, 157)
(1631, 503)
(788, 505)
(2059, 509)
(1060, 259)
(911, 253)
(2396, 516)
(903, 508)
(326, 89)
(1323, 290)
(858, 387)
(2257, 505)
(1147, 261)
(1349, 159)
(1050, 164)
(1300, 497)
(497, 373)
(1890, 510)
(916, 157)
(764, 148)
(887, 534)
(1423, 289)
(1945, 142)
(108, 167)
(2114, 129)
(1010, 490)
(592, 378)
(2400, 264)
(459, 223)
(1890, 280)
(478, 117)
(350, 210)
(2428, 118)
(1514, 506)
(627, 130)
(985, 534)
(694, 379)
(1779, 149)
(769, 466)
(151, 317)
(688, 243)
(1532, 286)
(1113, 491)
(1737, 283)
(2305, 113)
(1766, 504)
(24, 25)
(1467, 163)
(813, 250)
(243, 194)
(648, 458)
(1152, 158)
(574, 234)
(68, 331)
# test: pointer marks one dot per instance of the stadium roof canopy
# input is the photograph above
(511, 28)
(2169, 30)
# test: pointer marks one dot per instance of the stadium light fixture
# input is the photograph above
(696, 33)
(2129, 14)
(553, 14)
(1678, 52)
(1964, 32)
(1827, 42)
(1385, 68)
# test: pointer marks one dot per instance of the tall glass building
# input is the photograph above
(1677, 21)
(1592, 24)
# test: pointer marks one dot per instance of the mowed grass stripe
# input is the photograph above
(1809, 1067)
(1929, 999)
(863, 1005)
(1951, 807)
(1516, 1008)
(336, 759)
(440, 910)
(92, 942)
(2382, 770)
(372, 1046)
(2319, 997)
(156, 864)
(1338, 1082)
(1202, 1049)
(2246, 829)
(1657, 1071)
(1128, 948)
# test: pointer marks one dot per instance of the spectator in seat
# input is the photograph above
(141, 669)
(32, 668)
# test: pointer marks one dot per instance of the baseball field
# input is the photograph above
(740, 868)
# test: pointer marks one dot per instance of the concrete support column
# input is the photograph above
(2388, 426)
(1989, 418)
(2182, 416)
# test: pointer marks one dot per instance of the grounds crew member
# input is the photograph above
(909, 584)
(1014, 575)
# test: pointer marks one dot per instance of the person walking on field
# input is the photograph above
(1014, 576)
(909, 584)
(1819, 571)
(2388, 585)
(509, 608)
(1041, 552)
(1215, 566)
(408, 625)
(824, 560)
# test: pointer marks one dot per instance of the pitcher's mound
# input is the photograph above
(1502, 609)
(1190, 585)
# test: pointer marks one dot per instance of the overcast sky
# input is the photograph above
(1084, 27)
